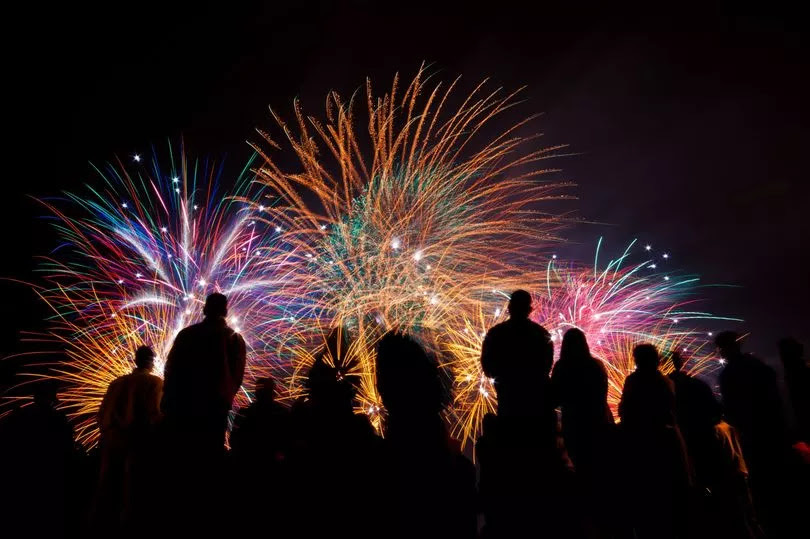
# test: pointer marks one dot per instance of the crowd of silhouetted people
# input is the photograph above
(552, 462)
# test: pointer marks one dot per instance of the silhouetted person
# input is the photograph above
(526, 476)
(127, 419)
(579, 386)
(37, 457)
(334, 461)
(694, 401)
(723, 501)
(753, 406)
(259, 446)
(518, 354)
(430, 484)
(203, 372)
(658, 480)
(797, 379)
(648, 397)
(260, 430)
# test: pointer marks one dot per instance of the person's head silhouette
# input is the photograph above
(329, 387)
(728, 343)
(407, 379)
(144, 358)
(646, 357)
(574, 345)
(677, 360)
(520, 304)
(265, 390)
(216, 306)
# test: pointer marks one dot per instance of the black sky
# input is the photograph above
(691, 126)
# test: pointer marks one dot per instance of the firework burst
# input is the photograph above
(617, 307)
(138, 258)
(400, 225)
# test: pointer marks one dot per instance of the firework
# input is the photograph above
(617, 306)
(138, 258)
(404, 222)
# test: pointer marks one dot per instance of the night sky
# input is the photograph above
(690, 128)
